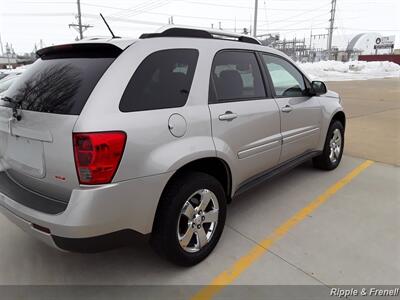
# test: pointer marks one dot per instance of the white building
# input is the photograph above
(371, 43)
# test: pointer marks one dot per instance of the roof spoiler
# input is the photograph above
(79, 50)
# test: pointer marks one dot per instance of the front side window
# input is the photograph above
(235, 76)
(286, 79)
(162, 80)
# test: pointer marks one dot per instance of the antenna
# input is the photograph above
(109, 29)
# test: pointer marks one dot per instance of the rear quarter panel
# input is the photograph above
(151, 149)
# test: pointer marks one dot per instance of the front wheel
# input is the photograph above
(190, 218)
(333, 148)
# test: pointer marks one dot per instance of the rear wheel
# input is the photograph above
(333, 149)
(190, 218)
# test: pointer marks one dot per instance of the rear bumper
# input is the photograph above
(92, 211)
(28, 227)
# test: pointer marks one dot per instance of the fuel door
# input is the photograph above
(177, 125)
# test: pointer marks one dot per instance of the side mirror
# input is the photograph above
(318, 88)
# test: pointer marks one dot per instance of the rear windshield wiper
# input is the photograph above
(15, 106)
(8, 99)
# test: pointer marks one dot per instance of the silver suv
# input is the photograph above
(105, 138)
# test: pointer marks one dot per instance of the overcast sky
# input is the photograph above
(24, 23)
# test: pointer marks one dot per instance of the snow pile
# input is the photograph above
(22, 68)
(352, 70)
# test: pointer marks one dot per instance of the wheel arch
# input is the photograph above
(339, 116)
(213, 166)
(330, 115)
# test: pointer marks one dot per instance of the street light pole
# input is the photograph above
(255, 18)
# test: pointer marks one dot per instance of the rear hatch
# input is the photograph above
(39, 111)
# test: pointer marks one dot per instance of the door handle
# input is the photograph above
(287, 109)
(227, 116)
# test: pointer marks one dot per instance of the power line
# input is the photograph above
(197, 17)
(288, 24)
(288, 29)
(137, 9)
(37, 14)
(370, 30)
(142, 5)
(46, 2)
(311, 19)
(292, 18)
(165, 14)
(302, 14)
(239, 6)
(118, 19)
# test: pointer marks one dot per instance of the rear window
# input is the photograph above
(59, 84)
(162, 80)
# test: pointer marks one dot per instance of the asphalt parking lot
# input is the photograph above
(373, 118)
(306, 227)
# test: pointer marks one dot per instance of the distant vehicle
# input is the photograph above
(4, 74)
(7, 81)
(103, 138)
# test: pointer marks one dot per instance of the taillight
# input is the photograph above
(97, 155)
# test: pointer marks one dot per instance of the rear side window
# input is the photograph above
(60, 83)
(162, 80)
(235, 76)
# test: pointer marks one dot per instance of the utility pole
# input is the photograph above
(8, 52)
(1, 47)
(78, 2)
(79, 27)
(330, 30)
(255, 18)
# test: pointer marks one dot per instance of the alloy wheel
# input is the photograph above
(198, 220)
(335, 145)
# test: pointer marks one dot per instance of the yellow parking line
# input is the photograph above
(228, 276)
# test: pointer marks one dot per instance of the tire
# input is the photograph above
(185, 194)
(325, 161)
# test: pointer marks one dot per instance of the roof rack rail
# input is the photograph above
(173, 31)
